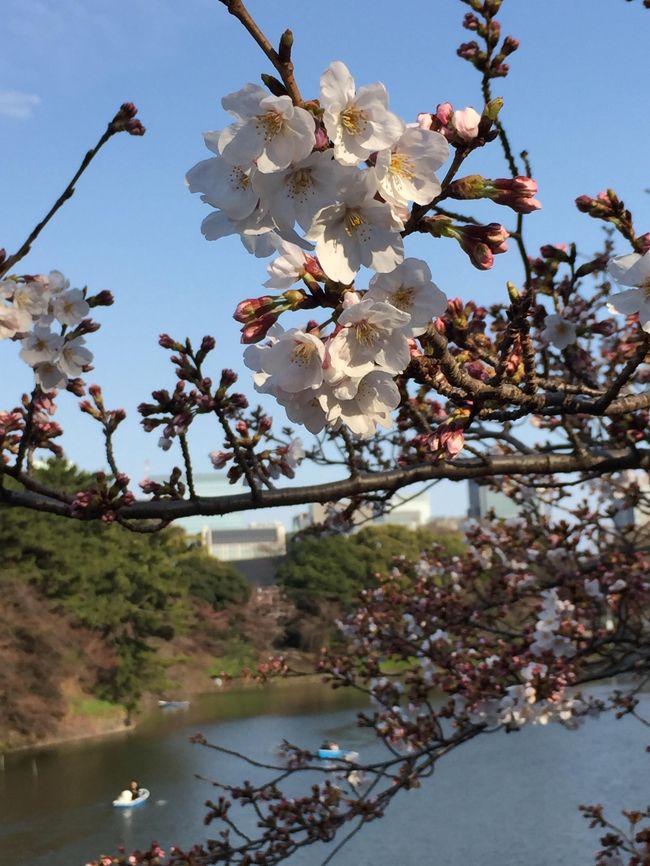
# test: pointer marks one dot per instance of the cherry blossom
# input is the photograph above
(358, 122)
(288, 267)
(70, 307)
(357, 231)
(559, 331)
(41, 346)
(74, 357)
(13, 321)
(377, 396)
(270, 131)
(293, 362)
(373, 333)
(632, 270)
(407, 171)
(224, 186)
(300, 191)
(409, 287)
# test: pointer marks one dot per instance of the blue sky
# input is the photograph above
(572, 100)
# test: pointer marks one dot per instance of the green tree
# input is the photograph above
(126, 587)
(333, 569)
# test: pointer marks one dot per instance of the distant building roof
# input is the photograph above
(250, 535)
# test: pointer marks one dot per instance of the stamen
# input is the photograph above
(353, 221)
(353, 120)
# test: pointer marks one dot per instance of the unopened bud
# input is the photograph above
(493, 107)
(276, 87)
(228, 378)
(256, 331)
(251, 308)
(101, 299)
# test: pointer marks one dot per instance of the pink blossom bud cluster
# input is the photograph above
(30, 310)
(106, 497)
(175, 411)
(517, 193)
(126, 121)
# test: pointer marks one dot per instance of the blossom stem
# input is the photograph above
(67, 193)
(182, 438)
(283, 64)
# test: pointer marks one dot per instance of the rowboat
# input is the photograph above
(173, 705)
(334, 754)
(124, 803)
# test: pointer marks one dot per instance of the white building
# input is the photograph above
(257, 541)
(209, 484)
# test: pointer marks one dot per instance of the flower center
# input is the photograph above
(353, 221)
(302, 353)
(403, 298)
(402, 166)
(239, 178)
(271, 122)
(366, 333)
(353, 120)
(299, 182)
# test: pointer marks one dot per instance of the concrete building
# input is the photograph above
(257, 541)
(483, 499)
(210, 484)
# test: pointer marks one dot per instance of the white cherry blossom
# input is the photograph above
(70, 307)
(409, 287)
(406, 172)
(632, 270)
(288, 267)
(558, 331)
(41, 346)
(13, 321)
(270, 131)
(357, 231)
(31, 298)
(377, 396)
(358, 122)
(223, 185)
(56, 282)
(50, 376)
(300, 191)
(293, 363)
(373, 332)
(74, 357)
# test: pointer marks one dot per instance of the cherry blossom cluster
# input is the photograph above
(49, 319)
(36, 413)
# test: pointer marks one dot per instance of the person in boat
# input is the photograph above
(329, 746)
(134, 789)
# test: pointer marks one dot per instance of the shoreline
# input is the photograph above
(148, 711)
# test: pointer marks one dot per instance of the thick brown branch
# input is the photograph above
(394, 479)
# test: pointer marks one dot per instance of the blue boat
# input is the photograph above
(124, 803)
(340, 754)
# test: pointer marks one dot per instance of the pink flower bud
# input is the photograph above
(256, 331)
(445, 113)
(465, 121)
(322, 138)
(252, 308)
(220, 458)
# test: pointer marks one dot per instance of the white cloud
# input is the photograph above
(17, 105)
